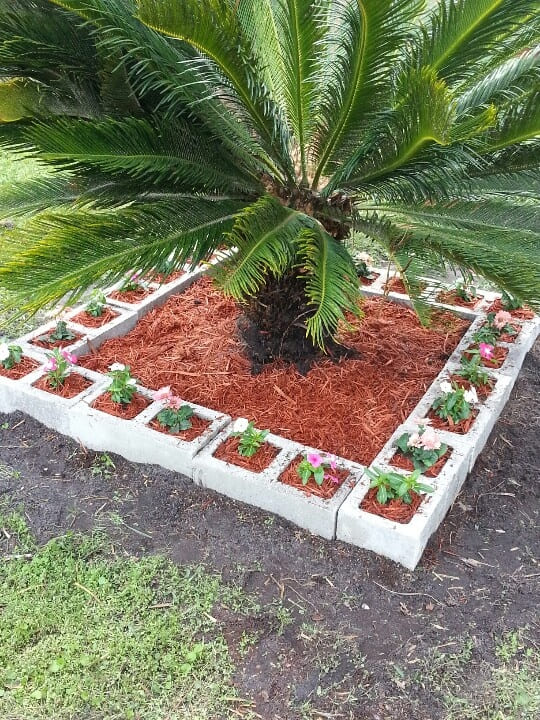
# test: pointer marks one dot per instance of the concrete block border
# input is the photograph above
(340, 517)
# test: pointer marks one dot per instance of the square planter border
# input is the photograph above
(340, 517)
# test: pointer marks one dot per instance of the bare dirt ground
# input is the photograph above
(358, 637)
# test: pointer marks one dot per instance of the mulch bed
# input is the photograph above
(198, 426)
(130, 296)
(19, 370)
(228, 451)
(483, 391)
(73, 385)
(396, 285)
(523, 313)
(349, 408)
(507, 337)
(403, 462)
(449, 297)
(395, 510)
(369, 281)
(164, 279)
(461, 428)
(499, 356)
(84, 318)
(126, 412)
(56, 343)
(325, 491)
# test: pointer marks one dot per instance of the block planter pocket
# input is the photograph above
(264, 489)
(155, 298)
(78, 346)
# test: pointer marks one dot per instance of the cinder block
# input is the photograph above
(264, 490)
(134, 440)
(119, 326)
(77, 347)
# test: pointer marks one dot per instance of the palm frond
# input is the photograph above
(331, 282)
(264, 235)
(80, 246)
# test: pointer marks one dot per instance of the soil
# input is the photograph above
(523, 313)
(370, 280)
(499, 356)
(19, 370)
(461, 428)
(198, 426)
(56, 343)
(228, 452)
(348, 408)
(449, 297)
(354, 618)
(395, 510)
(325, 491)
(84, 318)
(72, 386)
(124, 411)
(483, 391)
(130, 296)
(404, 462)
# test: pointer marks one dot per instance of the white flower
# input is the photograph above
(365, 257)
(446, 387)
(117, 367)
(471, 396)
(131, 381)
(4, 352)
(415, 441)
(240, 425)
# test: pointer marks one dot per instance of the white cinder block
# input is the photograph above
(264, 490)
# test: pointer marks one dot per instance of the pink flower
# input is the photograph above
(486, 350)
(430, 440)
(333, 462)
(51, 365)
(135, 276)
(163, 393)
(415, 440)
(174, 402)
(70, 357)
(333, 478)
(501, 319)
(314, 459)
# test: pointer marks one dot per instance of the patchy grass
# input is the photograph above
(85, 633)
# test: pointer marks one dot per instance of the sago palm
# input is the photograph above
(275, 127)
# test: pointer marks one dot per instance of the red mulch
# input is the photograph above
(18, 371)
(404, 462)
(461, 428)
(84, 318)
(73, 385)
(395, 510)
(499, 356)
(523, 313)
(483, 391)
(228, 451)
(349, 408)
(451, 298)
(198, 426)
(325, 491)
(130, 296)
(57, 343)
(126, 412)
(164, 279)
(507, 337)
(396, 284)
(369, 281)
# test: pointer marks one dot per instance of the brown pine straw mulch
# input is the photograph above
(449, 297)
(523, 313)
(403, 462)
(348, 408)
(19, 370)
(56, 343)
(72, 386)
(84, 318)
(395, 510)
(198, 426)
(325, 491)
(228, 451)
(460, 428)
(124, 411)
(130, 296)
